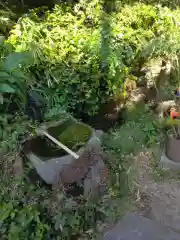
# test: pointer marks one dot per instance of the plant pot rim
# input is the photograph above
(170, 134)
(172, 149)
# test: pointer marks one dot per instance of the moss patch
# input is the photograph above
(75, 135)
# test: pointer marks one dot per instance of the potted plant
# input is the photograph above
(172, 144)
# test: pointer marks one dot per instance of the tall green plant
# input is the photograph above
(83, 54)
(13, 75)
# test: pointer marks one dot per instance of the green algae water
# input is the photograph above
(71, 133)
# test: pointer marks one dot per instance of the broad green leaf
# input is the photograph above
(1, 99)
(2, 39)
(5, 210)
(4, 75)
(14, 60)
(6, 88)
(21, 94)
(12, 79)
(19, 74)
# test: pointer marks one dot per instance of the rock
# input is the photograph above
(137, 96)
(99, 134)
(48, 170)
(141, 82)
(163, 108)
(79, 168)
(157, 75)
(95, 182)
(152, 71)
(88, 173)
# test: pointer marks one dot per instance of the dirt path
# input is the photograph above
(158, 200)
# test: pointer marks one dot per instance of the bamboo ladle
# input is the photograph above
(58, 143)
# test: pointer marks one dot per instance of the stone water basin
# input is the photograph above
(47, 158)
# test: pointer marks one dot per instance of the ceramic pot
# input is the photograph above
(172, 147)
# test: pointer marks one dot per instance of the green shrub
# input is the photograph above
(82, 55)
(7, 20)
(66, 45)
(13, 76)
(30, 212)
(22, 222)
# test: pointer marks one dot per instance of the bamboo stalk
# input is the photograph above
(58, 143)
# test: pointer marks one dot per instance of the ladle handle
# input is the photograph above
(73, 154)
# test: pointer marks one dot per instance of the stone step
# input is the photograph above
(135, 227)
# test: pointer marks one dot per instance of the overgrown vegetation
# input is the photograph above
(82, 55)
(78, 56)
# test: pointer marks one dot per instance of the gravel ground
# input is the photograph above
(157, 200)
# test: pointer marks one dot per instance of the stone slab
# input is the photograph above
(165, 162)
